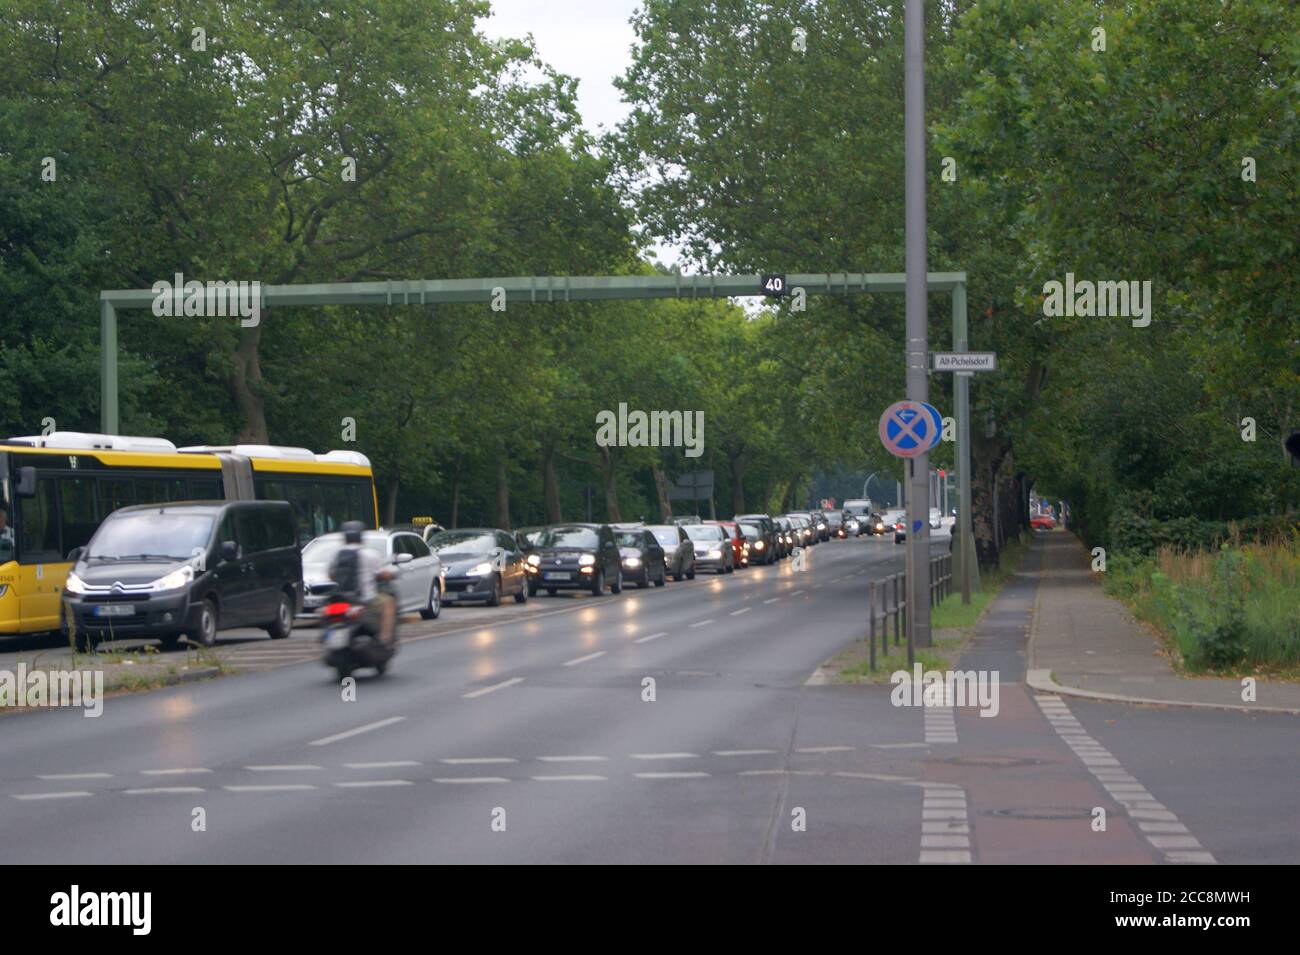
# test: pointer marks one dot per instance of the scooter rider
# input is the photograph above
(360, 576)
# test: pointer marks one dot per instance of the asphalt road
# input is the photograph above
(524, 736)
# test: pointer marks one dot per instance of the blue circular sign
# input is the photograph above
(910, 428)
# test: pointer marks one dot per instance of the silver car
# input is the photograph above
(417, 583)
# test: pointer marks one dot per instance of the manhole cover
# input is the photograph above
(1044, 812)
(992, 762)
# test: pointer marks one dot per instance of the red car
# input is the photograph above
(739, 546)
(1042, 522)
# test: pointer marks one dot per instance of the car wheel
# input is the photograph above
(690, 574)
(343, 672)
(522, 596)
(532, 588)
(617, 586)
(283, 623)
(598, 584)
(494, 598)
(663, 576)
(204, 632)
(434, 607)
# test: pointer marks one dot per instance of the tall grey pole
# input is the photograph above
(961, 386)
(918, 468)
(108, 418)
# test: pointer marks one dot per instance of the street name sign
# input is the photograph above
(965, 361)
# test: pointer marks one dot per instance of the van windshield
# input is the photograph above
(151, 535)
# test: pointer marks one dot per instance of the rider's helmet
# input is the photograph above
(352, 532)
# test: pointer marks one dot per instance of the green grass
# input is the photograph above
(1235, 610)
(951, 613)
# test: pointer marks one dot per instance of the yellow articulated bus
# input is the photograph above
(55, 490)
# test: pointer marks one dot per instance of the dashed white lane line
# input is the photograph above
(571, 779)
(573, 759)
(389, 764)
(824, 749)
(347, 734)
(54, 776)
(494, 687)
(664, 755)
(653, 636)
(373, 783)
(940, 721)
(702, 623)
(471, 779)
(771, 600)
(743, 752)
(282, 768)
(1160, 826)
(589, 656)
(795, 593)
(163, 790)
(32, 797)
(270, 788)
(737, 613)
(179, 771)
(477, 760)
(669, 775)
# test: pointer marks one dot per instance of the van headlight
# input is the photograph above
(481, 569)
(174, 581)
(759, 545)
(586, 560)
(632, 561)
(534, 560)
(75, 585)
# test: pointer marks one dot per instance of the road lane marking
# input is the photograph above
(372, 783)
(163, 790)
(669, 775)
(795, 593)
(589, 656)
(824, 749)
(494, 687)
(737, 613)
(346, 734)
(653, 636)
(31, 797)
(281, 768)
(665, 755)
(389, 764)
(771, 600)
(743, 752)
(54, 776)
(702, 623)
(180, 771)
(573, 759)
(570, 779)
(1167, 836)
(274, 788)
(944, 803)
(471, 779)
(477, 760)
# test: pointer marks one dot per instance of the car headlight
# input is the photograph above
(821, 527)
(175, 580)
(75, 585)
(759, 545)
(534, 560)
(715, 553)
(481, 569)
(586, 560)
(632, 561)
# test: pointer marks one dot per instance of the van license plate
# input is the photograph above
(115, 610)
(557, 575)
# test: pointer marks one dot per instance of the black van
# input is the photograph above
(186, 568)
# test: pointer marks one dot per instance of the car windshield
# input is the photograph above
(630, 539)
(462, 542)
(750, 530)
(568, 537)
(704, 532)
(321, 551)
(666, 536)
(144, 535)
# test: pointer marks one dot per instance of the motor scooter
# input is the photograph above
(350, 641)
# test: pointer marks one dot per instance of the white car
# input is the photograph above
(936, 518)
(418, 584)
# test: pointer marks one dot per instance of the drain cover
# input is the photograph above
(1044, 812)
(992, 762)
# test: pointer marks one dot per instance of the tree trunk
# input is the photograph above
(245, 387)
(503, 494)
(550, 485)
(661, 492)
(737, 464)
(609, 464)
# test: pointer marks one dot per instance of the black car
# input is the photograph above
(643, 558)
(763, 550)
(480, 563)
(786, 532)
(679, 552)
(821, 526)
(186, 568)
(575, 557)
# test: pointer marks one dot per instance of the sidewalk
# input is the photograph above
(1084, 643)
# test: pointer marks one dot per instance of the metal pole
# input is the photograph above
(918, 531)
(871, 621)
(966, 549)
(108, 419)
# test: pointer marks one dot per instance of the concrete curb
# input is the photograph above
(1042, 681)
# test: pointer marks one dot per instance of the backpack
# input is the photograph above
(347, 571)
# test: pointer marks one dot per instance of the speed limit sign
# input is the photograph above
(772, 285)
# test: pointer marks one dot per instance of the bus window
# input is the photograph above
(38, 533)
(205, 489)
(76, 512)
(115, 493)
(334, 498)
(158, 490)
